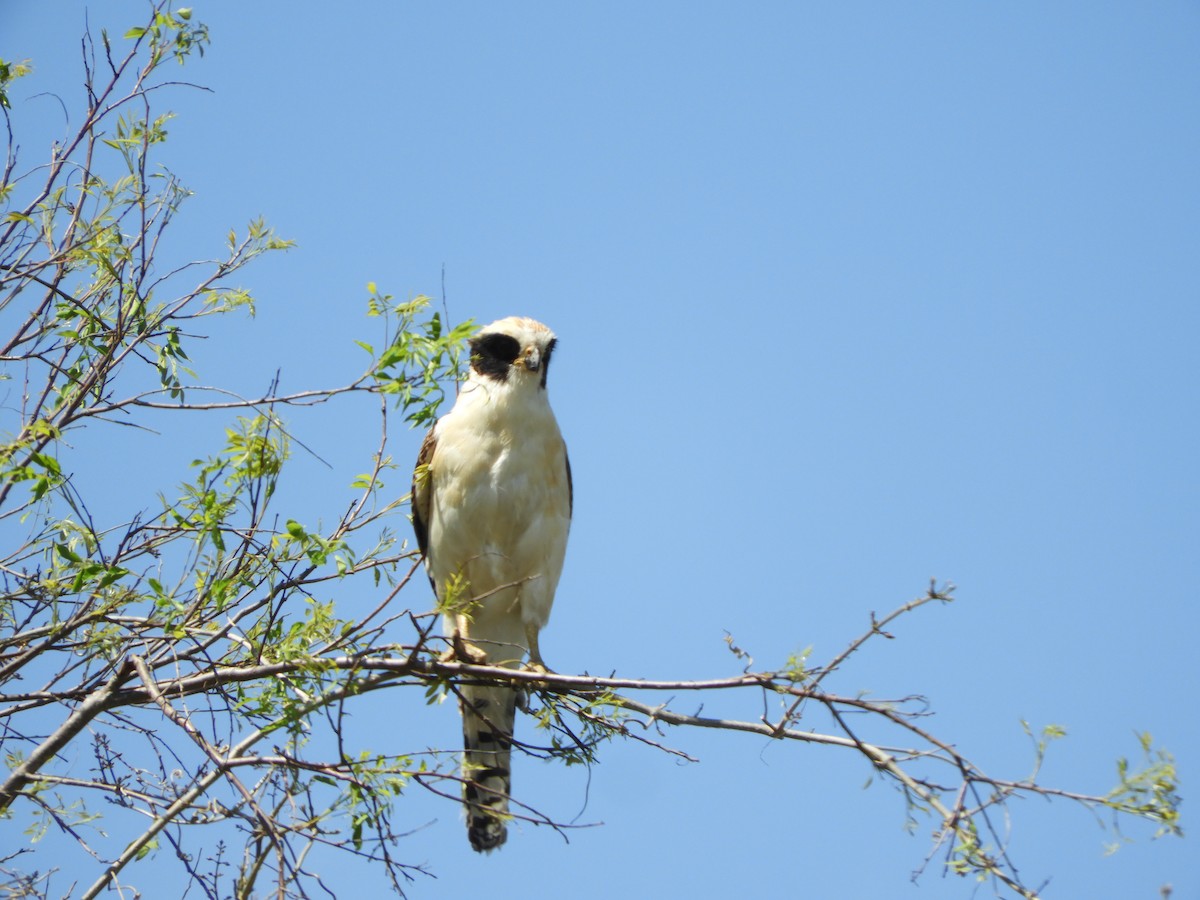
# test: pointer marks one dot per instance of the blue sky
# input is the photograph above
(848, 295)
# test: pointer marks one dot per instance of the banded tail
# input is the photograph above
(489, 714)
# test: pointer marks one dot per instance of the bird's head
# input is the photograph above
(513, 351)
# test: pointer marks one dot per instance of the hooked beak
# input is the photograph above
(533, 359)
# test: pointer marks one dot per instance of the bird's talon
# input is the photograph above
(463, 651)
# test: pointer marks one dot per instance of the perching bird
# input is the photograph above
(491, 508)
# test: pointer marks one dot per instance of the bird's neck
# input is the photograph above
(520, 397)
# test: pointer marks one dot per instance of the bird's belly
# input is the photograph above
(499, 518)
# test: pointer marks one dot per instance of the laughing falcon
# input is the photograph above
(491, 510)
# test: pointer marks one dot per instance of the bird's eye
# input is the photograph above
(498, 346)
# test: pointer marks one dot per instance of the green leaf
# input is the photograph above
(110, 577)
(67, 553)
(49, 463)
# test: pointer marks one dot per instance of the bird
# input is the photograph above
(492, 500)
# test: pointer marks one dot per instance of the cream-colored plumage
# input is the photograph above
(492, 508)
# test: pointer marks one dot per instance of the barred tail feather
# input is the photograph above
(489, 714)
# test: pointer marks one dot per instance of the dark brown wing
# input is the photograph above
(570, 483)
(422, 495)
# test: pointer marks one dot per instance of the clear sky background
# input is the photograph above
(849, 296)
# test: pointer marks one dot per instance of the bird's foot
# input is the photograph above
(463, 651)
(538, 667)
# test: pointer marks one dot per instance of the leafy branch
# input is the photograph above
(205, 655)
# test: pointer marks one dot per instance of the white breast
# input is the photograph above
(500, 506)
